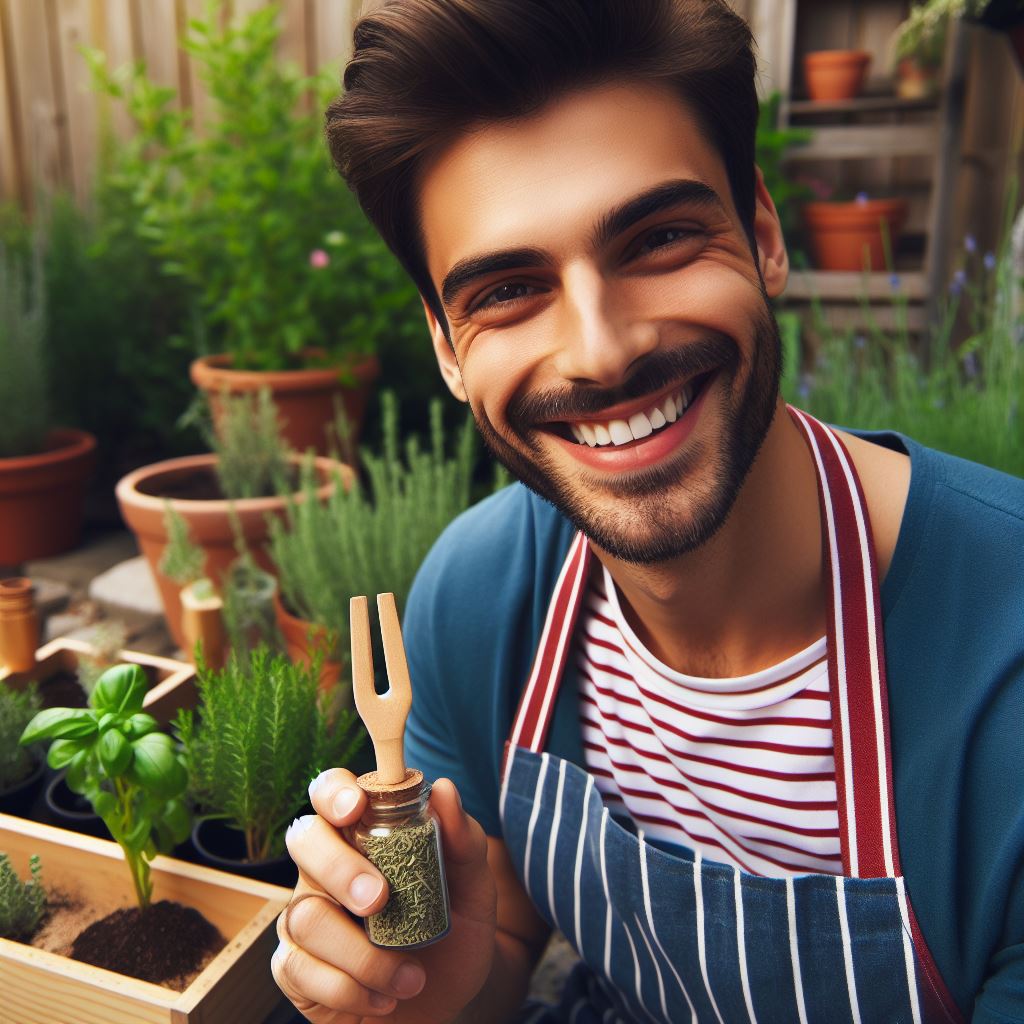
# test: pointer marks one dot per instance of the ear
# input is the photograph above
(773, 260)
(445, 355)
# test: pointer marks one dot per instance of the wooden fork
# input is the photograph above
(384, 715)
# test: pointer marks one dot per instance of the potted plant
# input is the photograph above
(919, 47)
(43, 472)
(261, 731)
(366, 539)
(294, 290)
(858, 235)
(234, 489)
(833, 75)
(21, 768)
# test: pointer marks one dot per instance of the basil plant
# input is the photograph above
(132, 774)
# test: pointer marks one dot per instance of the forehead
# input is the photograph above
(544, 180)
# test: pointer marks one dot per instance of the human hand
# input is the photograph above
(326, 965)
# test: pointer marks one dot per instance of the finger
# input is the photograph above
(470, 884)
(325, 931)
(313, 985)
(335, 796)
(329, 863)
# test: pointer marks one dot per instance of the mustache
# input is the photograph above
(649, 375)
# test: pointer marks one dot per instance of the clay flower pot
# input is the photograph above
(303, 639)
(835, 74)
(849, 236)
(141, 495)
(42, 497)
(915, 80)
(305, 399)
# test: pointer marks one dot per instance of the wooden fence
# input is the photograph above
(50, 117)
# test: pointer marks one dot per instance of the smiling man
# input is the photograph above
(731, 698)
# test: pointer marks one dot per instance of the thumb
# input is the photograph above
(470, 883)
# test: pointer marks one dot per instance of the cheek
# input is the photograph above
(496, 369)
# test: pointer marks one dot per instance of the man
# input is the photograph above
(738, 706)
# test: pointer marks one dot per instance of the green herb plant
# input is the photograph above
(772, 144)
(247, 211)
(17, 709)
(133, 775)
(24, 397)
(371, 537)
(22, 904)
(261, 732)
(253, 459)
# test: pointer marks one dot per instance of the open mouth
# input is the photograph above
(620, 432)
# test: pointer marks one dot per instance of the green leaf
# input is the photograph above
(140, 725)
(77, 777)
(121, 689)
(115, 752)
(61, 752)
(104, 803)
(156, 767)
(177, 820)
(59, 723)
(137, 837)
(108, 719)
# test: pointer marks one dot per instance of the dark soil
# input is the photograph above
(197, 485)
(162, 942)
(62, 690)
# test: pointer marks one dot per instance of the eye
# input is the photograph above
(663, 238)
(504, 295)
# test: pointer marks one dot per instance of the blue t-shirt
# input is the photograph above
(953, 610)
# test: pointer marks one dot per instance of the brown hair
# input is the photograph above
(425, 70)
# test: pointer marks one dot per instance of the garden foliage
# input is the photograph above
(132, 774)
(248, 213)
(261, 732)
(182, 560)
(24, 393)
(17, 709)
(252, 456)
(22, 904)
(371, 537)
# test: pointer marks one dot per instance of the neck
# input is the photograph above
(754, 593)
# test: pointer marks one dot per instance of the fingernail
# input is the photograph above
(299, 826)
(379, 1001)
(315, 785)
(365, 888)
(409, 979)
(345, 802)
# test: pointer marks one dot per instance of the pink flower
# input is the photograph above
(319, 259)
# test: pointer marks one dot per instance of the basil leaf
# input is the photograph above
(121, 689)
(59, 723)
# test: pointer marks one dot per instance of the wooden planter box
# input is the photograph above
(236, 986)
(174, 686)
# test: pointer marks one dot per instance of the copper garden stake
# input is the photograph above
(399, 832)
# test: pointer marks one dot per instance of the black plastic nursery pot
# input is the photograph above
(67, 809)
(18, 798)
(220, 846)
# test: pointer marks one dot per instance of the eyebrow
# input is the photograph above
(614, 222)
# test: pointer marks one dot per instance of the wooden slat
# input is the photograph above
(868, 141)
(334, 21)
(159, 33)
(871, 103)
(296, 34)
(832, 285)
(200, 100)
(14, 174)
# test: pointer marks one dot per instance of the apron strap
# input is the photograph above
(856, 658)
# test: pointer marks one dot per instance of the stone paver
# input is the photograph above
(127, 590)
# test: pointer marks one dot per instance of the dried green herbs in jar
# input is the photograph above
(401, 836)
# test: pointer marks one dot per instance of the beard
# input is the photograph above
(660, 513)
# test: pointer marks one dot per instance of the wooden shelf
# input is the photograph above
(885, 103)
(844, 142)
(851, 286)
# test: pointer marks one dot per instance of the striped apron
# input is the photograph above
(674, 937)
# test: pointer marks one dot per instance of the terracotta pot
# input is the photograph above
(305, 399)
(303, 639)
(916, 81)
(140, 496)
(848, 236)
(835, 74)
(42, 497)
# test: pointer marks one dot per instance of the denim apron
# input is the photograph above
(674, 937)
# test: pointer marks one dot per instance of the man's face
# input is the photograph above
(607, 316)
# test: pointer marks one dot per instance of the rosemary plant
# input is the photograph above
(22, 904)
(17, 709)
(371, 538)
(23, 363)
(252, 456)
(182, 560)
(260, 733)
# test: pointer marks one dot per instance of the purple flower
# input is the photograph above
(956, 286)
(319, 259)
(859, 341)
(971, 365)
(970, 243)
(990, 260)
(894, 282)
(861, 198)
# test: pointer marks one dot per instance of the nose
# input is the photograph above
(599, 339)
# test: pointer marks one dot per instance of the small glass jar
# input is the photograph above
(401, 836)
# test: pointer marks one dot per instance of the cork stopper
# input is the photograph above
(372, 784)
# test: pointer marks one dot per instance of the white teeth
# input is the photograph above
(657, 418)
(640, 425)
(668, 408)
(680, 405)
(576, 432)
(601, 434)
(620, 432)
(687, 396)
(588, 434)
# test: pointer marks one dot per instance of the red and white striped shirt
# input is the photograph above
(741, 769)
